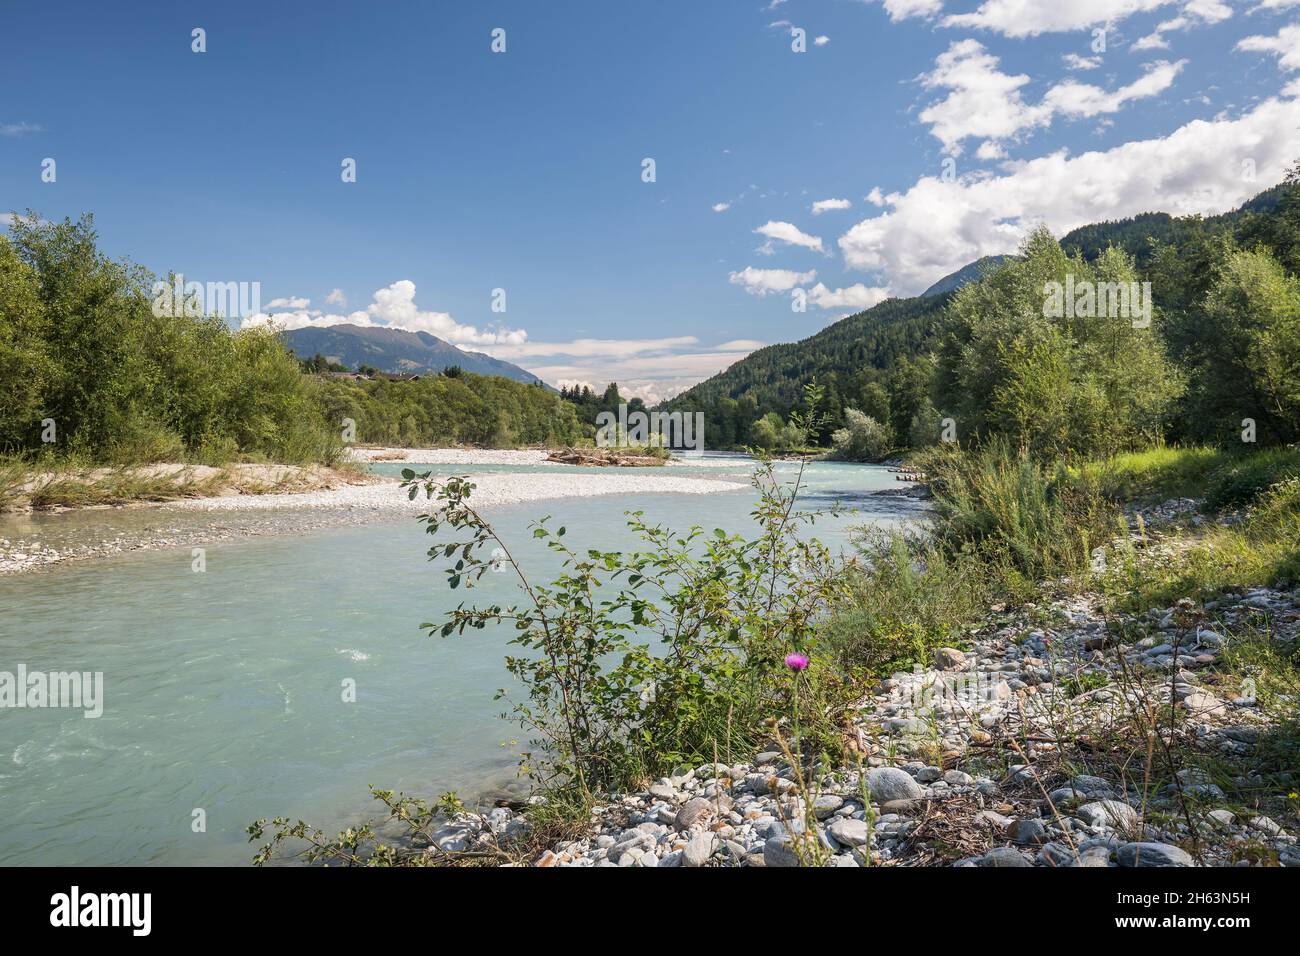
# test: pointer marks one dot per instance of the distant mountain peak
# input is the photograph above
(395, 350)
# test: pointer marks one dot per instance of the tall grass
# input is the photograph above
(1223, 478)
(1262, 550)
(1002, 524)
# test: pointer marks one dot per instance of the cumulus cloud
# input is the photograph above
(765, 281)
(721, 206)
(904, 9)
(821, 41)
(393, 307)
(875, 197)
(1028, 18)
(856, 297)
(1285, 46)
(828, 205)
(336, 297)
(935, 228)
(790, 234)
(1082, 99)
(985, 103)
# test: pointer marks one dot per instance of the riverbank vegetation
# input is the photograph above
(99, 385)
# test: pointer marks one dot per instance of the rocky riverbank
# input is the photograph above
(32, 542)
(1064, 734)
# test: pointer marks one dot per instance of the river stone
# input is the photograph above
(1090, 785)
(1153, 854)
(778, 851)
(949, 659)
(698, 850)
(1002, 856)
(849, 832)
(826, 805)
(902, 807)
(1108, 813)
(1094, 856)
(890, 783)
(1027, 832)
(1200, 704)
(696, 812)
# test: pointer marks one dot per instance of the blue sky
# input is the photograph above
(522, 170)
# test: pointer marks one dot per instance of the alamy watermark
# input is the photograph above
(680, 431)
(1088, 300)
(22, 689)
(196, 299)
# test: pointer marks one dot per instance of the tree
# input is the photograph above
(1093, 379)
(861, 439)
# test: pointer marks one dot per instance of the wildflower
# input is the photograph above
(796, 662)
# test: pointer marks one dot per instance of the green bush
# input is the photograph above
(633, 664)
(862, 439)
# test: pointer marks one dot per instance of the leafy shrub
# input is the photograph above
(862, 439)
(633, 664)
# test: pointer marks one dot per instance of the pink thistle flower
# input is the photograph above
(796, 662)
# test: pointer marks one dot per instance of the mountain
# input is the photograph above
(395, 350)
(965, 275)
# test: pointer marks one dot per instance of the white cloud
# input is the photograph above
(1286, 46)
(983, 102)
(289, 303)
(1194, 13)
(935, 228)
(828, 205)
(1276, 5)
(903, 9)
(721, 206)
(651, 369)
(1082, 99)
(336, 297)
(1027, 18)
(1075, 62)
(856, 297)
(790, 234)
(821, 41)
(20, 129)
(393, 307)
(875, 197)
(764, 281)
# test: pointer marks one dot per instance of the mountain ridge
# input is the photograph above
(396, 350)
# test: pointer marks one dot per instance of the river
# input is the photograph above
(224, 696)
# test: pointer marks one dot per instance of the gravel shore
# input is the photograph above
(490, 491)
(29, 544)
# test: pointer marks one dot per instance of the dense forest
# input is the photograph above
(1220, 357)
(92, 372)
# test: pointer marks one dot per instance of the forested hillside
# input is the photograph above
(1222, 347)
